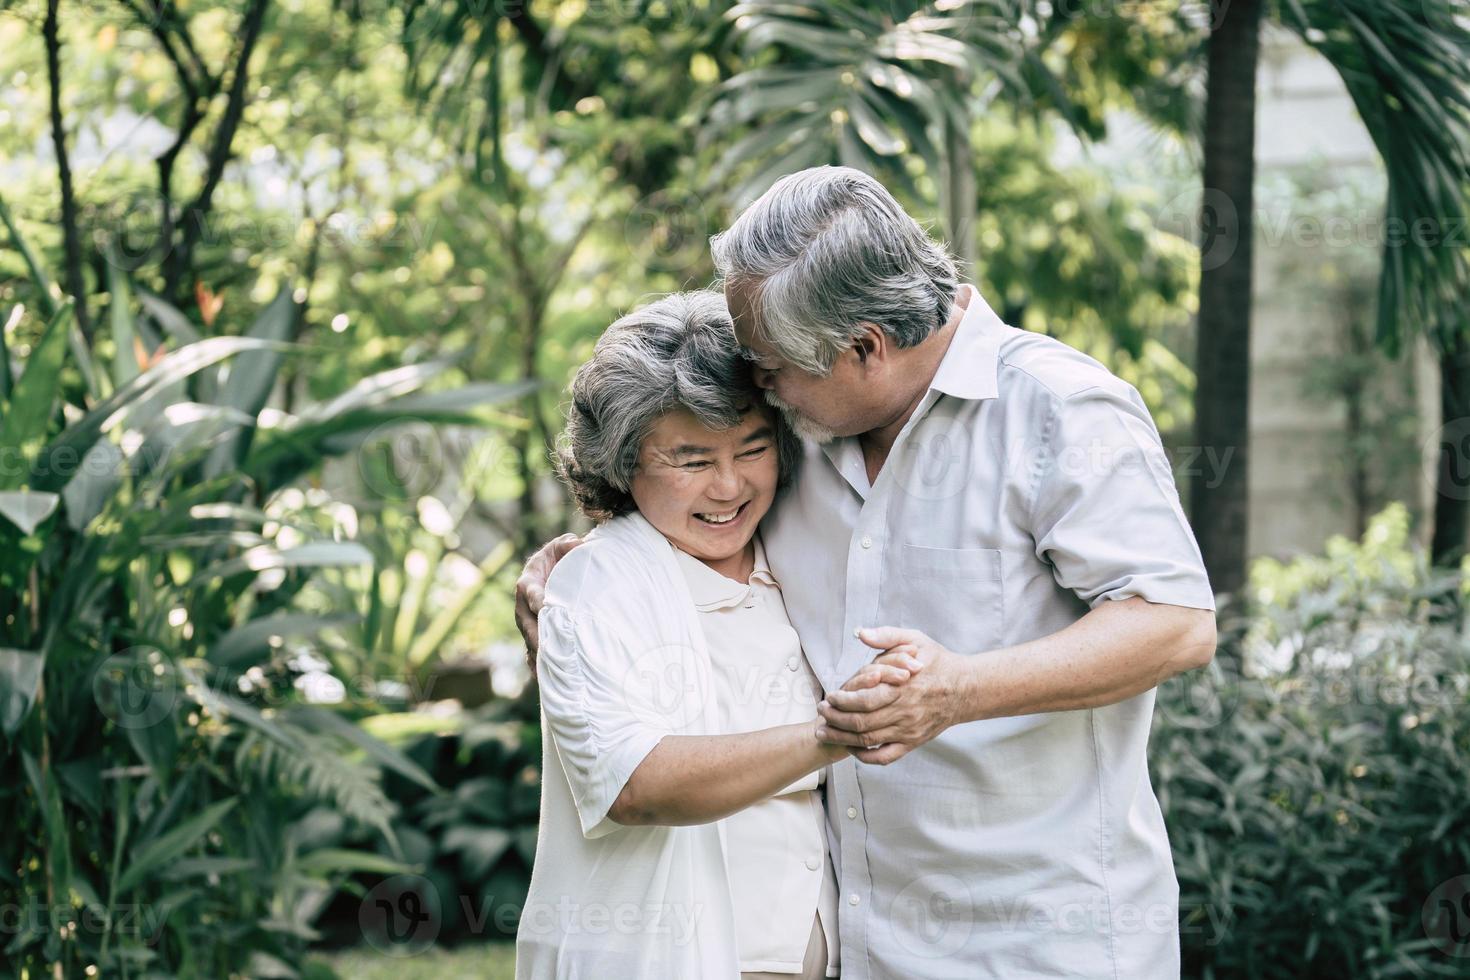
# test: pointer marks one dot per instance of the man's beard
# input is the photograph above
(803, 425)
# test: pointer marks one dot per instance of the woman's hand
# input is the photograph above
(884, 722)
(888, 671)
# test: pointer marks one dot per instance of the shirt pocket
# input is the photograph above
(955, 595)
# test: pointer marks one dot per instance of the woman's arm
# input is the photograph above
(693, 779)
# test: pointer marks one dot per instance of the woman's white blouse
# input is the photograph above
(623, 662)
(780, 872)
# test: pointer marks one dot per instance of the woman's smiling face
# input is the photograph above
(707, 489)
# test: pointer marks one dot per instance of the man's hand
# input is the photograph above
(883, 722)
(531, 590)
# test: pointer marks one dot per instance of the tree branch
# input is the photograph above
(219, 154)
(543, 54)
(194, 105)
(72, 241)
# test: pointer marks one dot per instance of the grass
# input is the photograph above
(478, 961)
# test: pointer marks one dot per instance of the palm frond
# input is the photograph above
(1406, 65)
(316, 768)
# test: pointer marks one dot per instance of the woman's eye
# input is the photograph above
(754, 453)
(697, 464)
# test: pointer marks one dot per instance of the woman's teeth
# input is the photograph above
(721, 518)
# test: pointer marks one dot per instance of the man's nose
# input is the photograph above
(765, 378)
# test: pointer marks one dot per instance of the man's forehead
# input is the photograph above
(745, 336)
(742, 311)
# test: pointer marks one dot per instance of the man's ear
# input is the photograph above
(872, 342)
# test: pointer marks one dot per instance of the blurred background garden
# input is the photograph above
(290, 294)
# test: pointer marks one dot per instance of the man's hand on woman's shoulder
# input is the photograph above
(531, 590)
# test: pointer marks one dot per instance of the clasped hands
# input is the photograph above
(908, 694)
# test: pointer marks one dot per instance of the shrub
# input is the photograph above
(162, 809)
(1319, 803)
(473, 843)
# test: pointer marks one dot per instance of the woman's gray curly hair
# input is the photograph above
(677, 352)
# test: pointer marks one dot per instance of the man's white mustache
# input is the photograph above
(801, 423)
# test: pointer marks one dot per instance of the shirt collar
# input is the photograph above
(711, 590)
(968, 368)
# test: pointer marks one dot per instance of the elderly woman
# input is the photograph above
(682, 832)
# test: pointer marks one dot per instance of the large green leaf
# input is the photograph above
(333, 860)
(172, 845)
(178, 326)
(313, 554)
(374, 390)
(837, 72)
(465, 397)
(251, 378)
(93, 486)
(23, 427)
(77, 438)
(167, 316)
(183, 430)
(479, 847)
(20, 678)
(39, 280)
(330, 723)
(26, 509)
(58, 843)
(284, 454)
(125, 357)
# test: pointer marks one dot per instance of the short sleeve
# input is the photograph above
(1105, 512)
(607, 704)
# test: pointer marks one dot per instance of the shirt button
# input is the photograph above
(792, 663)
(853, 899)
(867, 542)
(852, 813)
(813, 864)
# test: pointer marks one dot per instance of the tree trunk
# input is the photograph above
(957, 194)
(1219, 500)
(1452, 484)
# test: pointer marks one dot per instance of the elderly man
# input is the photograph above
(1000, 505)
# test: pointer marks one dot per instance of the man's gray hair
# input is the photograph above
(827, 249)
(677, 352)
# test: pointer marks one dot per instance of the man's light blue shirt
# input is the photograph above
(1029, 486)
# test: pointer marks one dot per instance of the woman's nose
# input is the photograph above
(726, 483)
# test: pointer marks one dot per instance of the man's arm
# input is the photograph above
(531, 590)
(1118, 650)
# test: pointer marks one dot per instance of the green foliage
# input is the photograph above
(487, 961)
(1381, 578)
(1406, 64)
(163, 800)
(881, 89)
(952, 105)
(1316, 804)
(474, 843)
(413, 599)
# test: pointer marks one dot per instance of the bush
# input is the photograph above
(1318, 801)
(472, 843)
(162, 806)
